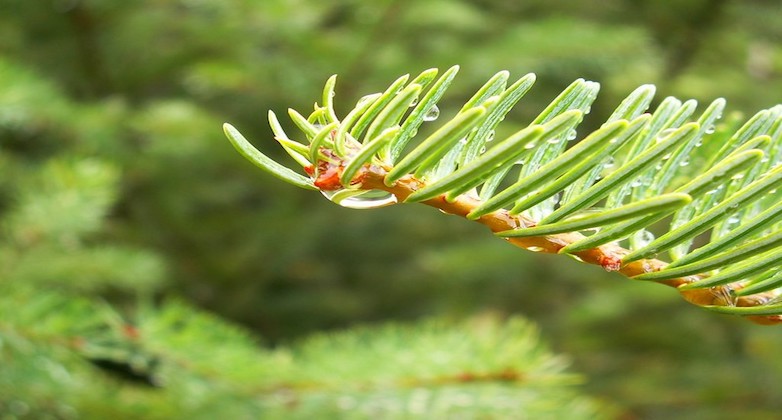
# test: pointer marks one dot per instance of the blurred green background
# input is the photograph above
(140, 90)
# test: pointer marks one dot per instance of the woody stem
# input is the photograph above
(606, 256)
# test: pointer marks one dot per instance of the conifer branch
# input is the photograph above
(598, 200)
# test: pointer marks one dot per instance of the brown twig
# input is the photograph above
(607, 256)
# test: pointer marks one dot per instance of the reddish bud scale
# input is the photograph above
(610, 262)
(328, 180)
(329, 170)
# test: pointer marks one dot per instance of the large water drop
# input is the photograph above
(642, 238)
(361, 199)
(432, 113)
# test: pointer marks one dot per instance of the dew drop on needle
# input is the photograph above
(432, 113)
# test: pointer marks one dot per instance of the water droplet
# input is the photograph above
(490, 136)
(643, 238)
(554, 140)
(432, 113)
(609, 163)
(666, 157)
(521, 162)
(571, 135)
(764, 159)
(358, 199)
(636, 183)
(662, 135)
(535, 248)
(710, 129)
(588, 109)
(483, 150)
(684, 162)
(738, 176)
(732, 220)
(699, 143)
(414, 102)
(530, 145)
(367, 98)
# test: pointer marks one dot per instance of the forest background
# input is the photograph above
(120, 104)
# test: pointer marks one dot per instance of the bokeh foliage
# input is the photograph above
(110, 112)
